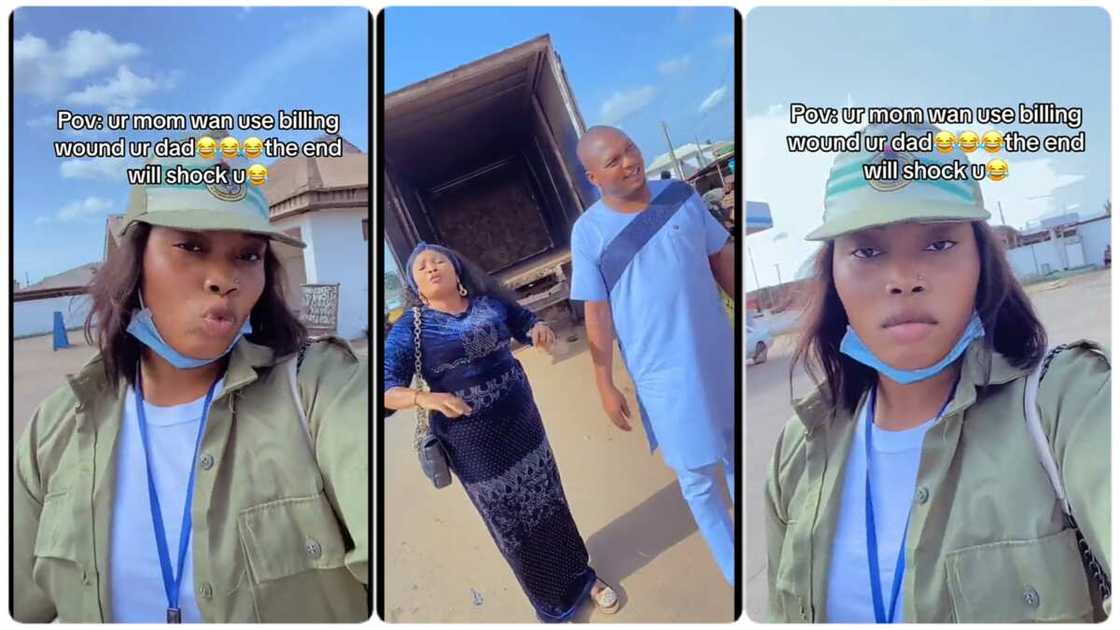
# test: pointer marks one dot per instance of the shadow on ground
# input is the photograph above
(633, 540)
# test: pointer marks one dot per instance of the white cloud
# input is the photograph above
(47, 72)
(624, 103)
(714, 99)
(673, 66)
(88, 210)
(724, 41)
(86, 53)
(122, 92)
(1028, 193)
(102, 169)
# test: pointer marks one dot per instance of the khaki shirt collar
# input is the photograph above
(90, 382)
(814, 410)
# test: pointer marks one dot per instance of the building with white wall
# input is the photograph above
(325, 203)
(1070, 246)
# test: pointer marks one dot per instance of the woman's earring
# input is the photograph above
(462, 290)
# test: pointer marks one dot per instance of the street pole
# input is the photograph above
(1001, 219)
(779, 268)
(672, 155)
(757, 284)
(700, 150)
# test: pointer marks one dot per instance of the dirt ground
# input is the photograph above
(38, 371)
(1073, 308)
(442, 566)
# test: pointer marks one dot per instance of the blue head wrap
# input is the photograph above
(421, 247)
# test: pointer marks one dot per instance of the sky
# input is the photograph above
(946, 56)
(160, 60)
(628, 67)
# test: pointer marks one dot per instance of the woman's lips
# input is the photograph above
(909, 332)
(217, 326)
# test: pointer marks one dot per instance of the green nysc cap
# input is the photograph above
(852, 203)
(236, 207)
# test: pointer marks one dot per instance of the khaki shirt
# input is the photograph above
(279, 526)
(987, 540)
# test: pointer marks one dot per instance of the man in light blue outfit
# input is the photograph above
(646, 259)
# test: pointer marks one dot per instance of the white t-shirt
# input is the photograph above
(134, 568)
(895, 456)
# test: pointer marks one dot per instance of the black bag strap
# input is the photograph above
(626, 244)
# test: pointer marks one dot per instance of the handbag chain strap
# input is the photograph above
(421, 413)
(1101, 579)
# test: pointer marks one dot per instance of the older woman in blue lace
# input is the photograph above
(484, 414)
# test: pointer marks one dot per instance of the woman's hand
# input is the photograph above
(542, 336)
(449, 405)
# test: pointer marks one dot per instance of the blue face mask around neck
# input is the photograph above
(144, 329)
(854, 347)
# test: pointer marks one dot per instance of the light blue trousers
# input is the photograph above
(700, 487)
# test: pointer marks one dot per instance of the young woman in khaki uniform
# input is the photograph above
(208, 464)
(908, 488)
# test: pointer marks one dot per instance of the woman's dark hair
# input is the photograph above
(115, 291)
(474, 279)
(1012, 328)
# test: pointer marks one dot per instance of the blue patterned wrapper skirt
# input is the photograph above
(501, 455)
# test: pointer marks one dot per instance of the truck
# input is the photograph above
(482, 159)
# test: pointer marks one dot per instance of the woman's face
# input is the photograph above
(201, 286)
(909, 289)
(435, 275)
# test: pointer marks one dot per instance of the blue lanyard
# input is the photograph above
(872, 540)
(171, 581)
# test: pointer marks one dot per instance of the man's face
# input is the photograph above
(615, 165)
(909, 289)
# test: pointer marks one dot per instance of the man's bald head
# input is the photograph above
(593, 142)
(612, 161)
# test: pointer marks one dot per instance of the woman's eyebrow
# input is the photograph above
(873, 237)
(941, 231)
(190, 234)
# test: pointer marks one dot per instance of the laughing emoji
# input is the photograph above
(997, 170)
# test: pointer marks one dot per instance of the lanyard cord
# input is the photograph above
(171, 581)
(882, 616)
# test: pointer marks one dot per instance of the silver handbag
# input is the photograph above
(433, 457)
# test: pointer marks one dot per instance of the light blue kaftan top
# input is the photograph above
(674, 335)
